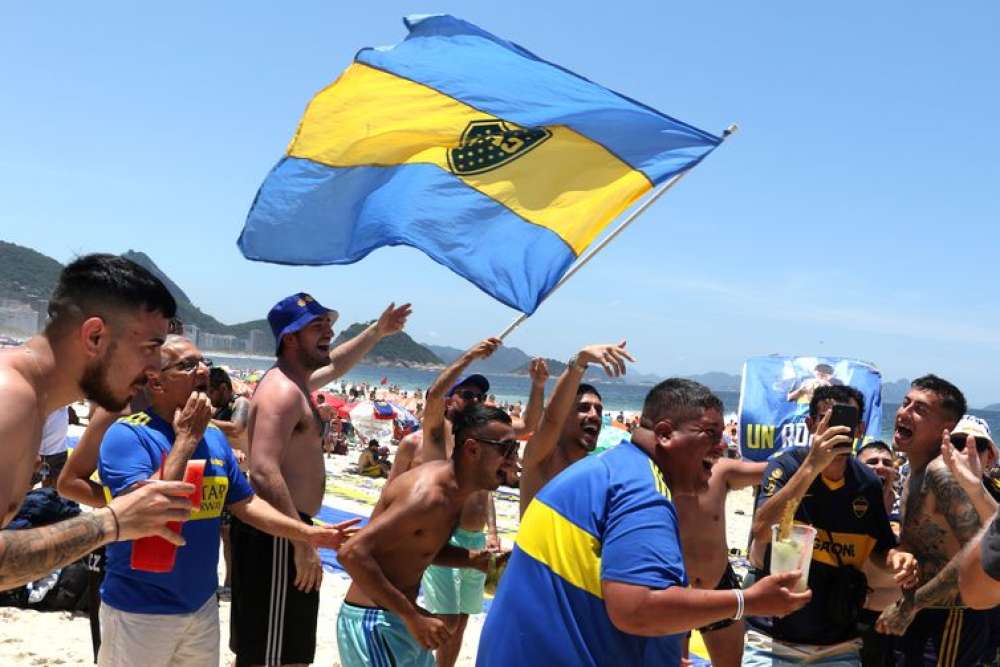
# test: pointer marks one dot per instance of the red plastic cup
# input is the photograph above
(155, 554)
(195, 474)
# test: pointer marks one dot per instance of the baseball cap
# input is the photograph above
(293, 313)
(474, 379)
(974, 426)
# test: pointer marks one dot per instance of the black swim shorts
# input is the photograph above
(272, 622)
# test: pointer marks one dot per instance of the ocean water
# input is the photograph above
(511, 388)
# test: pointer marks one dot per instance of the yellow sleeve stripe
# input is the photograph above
(369, 117)
(566, 549)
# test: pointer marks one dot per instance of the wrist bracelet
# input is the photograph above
(739, 604)
(574, 362)
(117, 525)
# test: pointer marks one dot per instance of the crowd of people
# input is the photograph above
(618, 556)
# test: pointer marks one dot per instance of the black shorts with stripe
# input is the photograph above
(954, 637)
(272, 622)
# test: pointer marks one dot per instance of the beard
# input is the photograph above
(96, 387)
(312, 360)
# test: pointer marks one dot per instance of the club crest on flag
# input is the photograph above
(488, 144)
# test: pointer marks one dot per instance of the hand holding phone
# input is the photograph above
(844, 415)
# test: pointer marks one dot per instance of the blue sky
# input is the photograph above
(855, 213)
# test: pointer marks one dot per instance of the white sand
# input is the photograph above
(60, 638)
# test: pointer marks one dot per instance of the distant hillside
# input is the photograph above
(25, 274)
(187, 311)
(396, 349)
(504, 360)
(995, 407)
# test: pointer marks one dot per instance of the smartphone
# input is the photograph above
(844, 415)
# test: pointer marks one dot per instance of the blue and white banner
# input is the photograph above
(775, 395)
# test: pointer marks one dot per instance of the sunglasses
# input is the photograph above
(469, 395)
(958, 442)
(189, 365)
(508, 447)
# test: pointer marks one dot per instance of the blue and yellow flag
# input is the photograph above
(495, 163)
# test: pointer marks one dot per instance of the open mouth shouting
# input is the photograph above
(903, 434)
(591, 431)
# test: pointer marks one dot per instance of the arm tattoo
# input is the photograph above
(240, 413)
(26, 555)
(938, 569)
(953, 504)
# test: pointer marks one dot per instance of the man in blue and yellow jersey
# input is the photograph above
(172, 618)
(842, 499)
(597, 574)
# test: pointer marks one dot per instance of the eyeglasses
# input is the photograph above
(469, 395)
(189, 365)
(509, 447)
(958, 442)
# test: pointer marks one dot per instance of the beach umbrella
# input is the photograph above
(368, 425)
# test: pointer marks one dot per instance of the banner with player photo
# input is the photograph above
(775, 394)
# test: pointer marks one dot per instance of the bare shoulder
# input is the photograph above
(20, 398)
(277, 392)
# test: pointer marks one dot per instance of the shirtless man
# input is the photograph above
(379, 622)
(287, 470)
(571, 422)
(938, 519)
(451, 592)
(702, 520)
(107, 321)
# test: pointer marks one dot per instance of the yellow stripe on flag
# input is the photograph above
(567, 183)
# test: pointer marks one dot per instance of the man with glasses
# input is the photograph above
(275, 583)
(172, 618)
(455, 593)
(380, 622)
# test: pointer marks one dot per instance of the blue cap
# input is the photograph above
(476, 379)
(293, 313)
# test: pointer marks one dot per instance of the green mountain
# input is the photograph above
(501, 361)
(26, 275)
(187, 311)
(396, 349)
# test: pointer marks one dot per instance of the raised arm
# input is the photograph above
(611, 357)
(347, 354)
(539, 373)
(821, 453)
(434, 402)
(74, 481)
(190, 423)
(405, 453)
(966, 468)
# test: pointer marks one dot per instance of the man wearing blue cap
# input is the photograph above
(275, 601)
(452, 592)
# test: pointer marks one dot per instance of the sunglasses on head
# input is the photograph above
(508, 447)
(469, 395)
(958, 442)
(189, 365)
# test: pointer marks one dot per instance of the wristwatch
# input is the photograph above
(574, 362)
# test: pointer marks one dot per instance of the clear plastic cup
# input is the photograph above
(794, 553)
(155, 554)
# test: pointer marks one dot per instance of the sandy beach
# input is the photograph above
(29, 637)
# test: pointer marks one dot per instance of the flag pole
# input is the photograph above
(587, 256)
